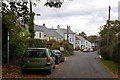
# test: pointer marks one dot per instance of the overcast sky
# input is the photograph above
(81, 15)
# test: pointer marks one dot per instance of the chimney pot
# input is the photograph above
(43, 24)
(58, 27)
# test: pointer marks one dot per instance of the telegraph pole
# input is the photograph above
(108, 25)
(30, 6)
(31, 27)
(67, 32)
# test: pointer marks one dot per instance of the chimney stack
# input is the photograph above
(44, 24)
(58, 27)
(69, 27)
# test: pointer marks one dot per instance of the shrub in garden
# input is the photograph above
(77, 48)
(116, 52)
(36, 43)
(55, 46)
(104, 51)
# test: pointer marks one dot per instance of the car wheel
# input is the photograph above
(24, 71)
(54, 67)
(63, 60)
(50, 71)
(58, 61)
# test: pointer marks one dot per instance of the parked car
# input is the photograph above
(85, 50)
(59, 57)
(38, 59)
(90, 49)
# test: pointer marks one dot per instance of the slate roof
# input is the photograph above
(47, 31)
(57, 35)
(80, 37)
(43, 29)
(69, 31)
(77, 38)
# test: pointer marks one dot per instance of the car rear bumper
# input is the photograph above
(47, 67)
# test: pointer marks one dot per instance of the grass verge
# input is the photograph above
(69, 54)
(112, 66)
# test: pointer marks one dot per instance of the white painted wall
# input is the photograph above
(43, 36)
(71, 39)
(78, 43)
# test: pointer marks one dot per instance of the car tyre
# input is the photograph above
(24, 71)
(58, 61)
(63, 60)
(50, 71)
(54, 67)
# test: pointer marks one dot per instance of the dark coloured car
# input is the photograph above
(59, 57)
(38, 59)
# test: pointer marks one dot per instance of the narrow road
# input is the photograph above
(82, 65)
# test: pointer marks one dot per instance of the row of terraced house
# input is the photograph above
(59, 34)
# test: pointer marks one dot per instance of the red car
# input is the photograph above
(85, 50)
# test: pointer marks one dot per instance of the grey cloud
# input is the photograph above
(91, 13)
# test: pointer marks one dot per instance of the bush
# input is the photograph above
(36, 43)
(105, 53)
(116, 52)
(77, 48)
(111, 52)
(67, 45)
(17, 43)
(17, 48)
(55, 46)
(66, 53)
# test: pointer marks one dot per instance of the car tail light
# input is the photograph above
(48, 60)
(55, 56)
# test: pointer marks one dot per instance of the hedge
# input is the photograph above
(36, 43)
(111, 52)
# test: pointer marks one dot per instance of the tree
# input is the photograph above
(14, 18)
(15, 27)
(112, 50)
(92, 38)
(114, 28)
(55, 3)
(50, 3)
(83, 34)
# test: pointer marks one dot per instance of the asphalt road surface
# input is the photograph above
(82, 65)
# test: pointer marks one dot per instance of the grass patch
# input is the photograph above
(113, 66)
(69, 54)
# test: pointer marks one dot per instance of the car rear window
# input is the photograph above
(55, 52)
(36, 53)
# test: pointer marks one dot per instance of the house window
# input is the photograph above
(44, 35)
(72, 39)
(40, 35)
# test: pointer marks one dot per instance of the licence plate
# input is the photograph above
(35, 61)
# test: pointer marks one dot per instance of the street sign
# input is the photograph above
(61, 48)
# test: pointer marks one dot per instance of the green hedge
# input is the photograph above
(36, 43)
(116, 52)
(105, 52)
(111, 52)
